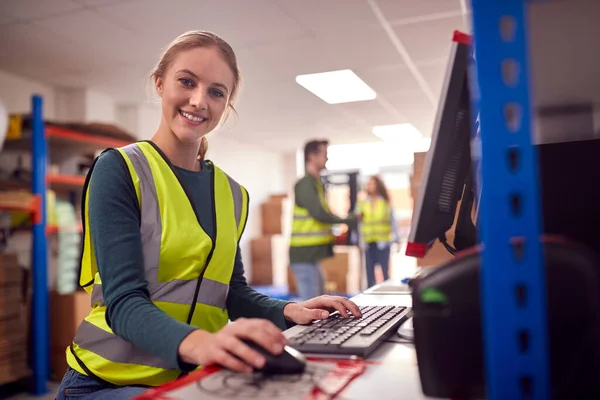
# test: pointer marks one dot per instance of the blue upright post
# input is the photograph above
(475, 130)
(513, 275)
(39, 252)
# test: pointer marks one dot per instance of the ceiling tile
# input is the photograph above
(366, 111)
(434, 74)
(406, 9)
(410, 103)
(429, 40)
(424, 123)
(282, 61)
(100, 37)
(330, 15)
(99, 3)
(31, 46)
(24, 10)
(282, 99)
(238, 22)
(379, 117)
(360, 48)
(389, 79)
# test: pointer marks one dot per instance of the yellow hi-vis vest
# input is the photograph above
(307, 231)
(178, 257)
(376, 226)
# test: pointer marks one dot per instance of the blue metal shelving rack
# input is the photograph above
(39, 265)
(513, 275)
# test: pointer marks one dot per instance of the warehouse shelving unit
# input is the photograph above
(513, 274)
(42, 141)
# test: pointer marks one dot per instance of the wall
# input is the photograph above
(259, 171)
(16, 92)
(140, 120)
(290, 171)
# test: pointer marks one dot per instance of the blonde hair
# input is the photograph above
(193, 39)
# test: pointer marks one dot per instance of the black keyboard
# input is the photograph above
(351, 336)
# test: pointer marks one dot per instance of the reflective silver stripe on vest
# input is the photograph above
(115, 349)
(302, 217)
(176, 291)
(238, 200)
(151, 224)
(306, 234)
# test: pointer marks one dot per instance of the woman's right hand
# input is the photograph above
(226, 348)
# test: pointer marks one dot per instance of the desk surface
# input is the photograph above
(397, 377)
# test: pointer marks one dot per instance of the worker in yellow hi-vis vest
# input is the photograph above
(378, 228)
(312, 240)
(161, 255)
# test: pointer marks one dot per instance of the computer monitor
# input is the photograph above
(447, 171)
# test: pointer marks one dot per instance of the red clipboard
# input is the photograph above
(330, 386)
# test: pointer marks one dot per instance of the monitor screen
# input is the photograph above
(448, 161)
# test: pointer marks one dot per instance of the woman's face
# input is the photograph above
(195, 91)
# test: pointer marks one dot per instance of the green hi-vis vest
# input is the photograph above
(178, 257)
(307, 231)
(376, 226)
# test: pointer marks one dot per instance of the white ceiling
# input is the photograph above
(399, 47)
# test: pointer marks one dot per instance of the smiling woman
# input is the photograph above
(161, 255)
(198, 81)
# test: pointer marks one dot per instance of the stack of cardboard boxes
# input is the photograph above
(266, 249)
(270, 253)
(13, 321)
(437, 254)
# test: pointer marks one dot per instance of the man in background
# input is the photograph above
(312, 239)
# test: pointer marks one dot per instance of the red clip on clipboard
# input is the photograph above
(323, 379)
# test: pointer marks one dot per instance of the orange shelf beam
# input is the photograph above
(62, 133)
(34, 208)
(71, 180)
(53, 229)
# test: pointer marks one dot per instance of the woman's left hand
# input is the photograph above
(320, 308)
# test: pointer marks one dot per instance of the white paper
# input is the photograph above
(225, 384)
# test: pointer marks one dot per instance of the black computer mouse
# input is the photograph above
(289, 361)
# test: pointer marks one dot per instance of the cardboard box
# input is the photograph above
(262, 261)
(14, 319)
(66, 313)
(10, 272)
(335, 270)
(278, 197)
(262, 274)
(271, 212)
(10, 295)
(437, 254)
(261, 250)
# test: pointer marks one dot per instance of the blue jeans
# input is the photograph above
(309, 280)
(77, 386)
(374, 255)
